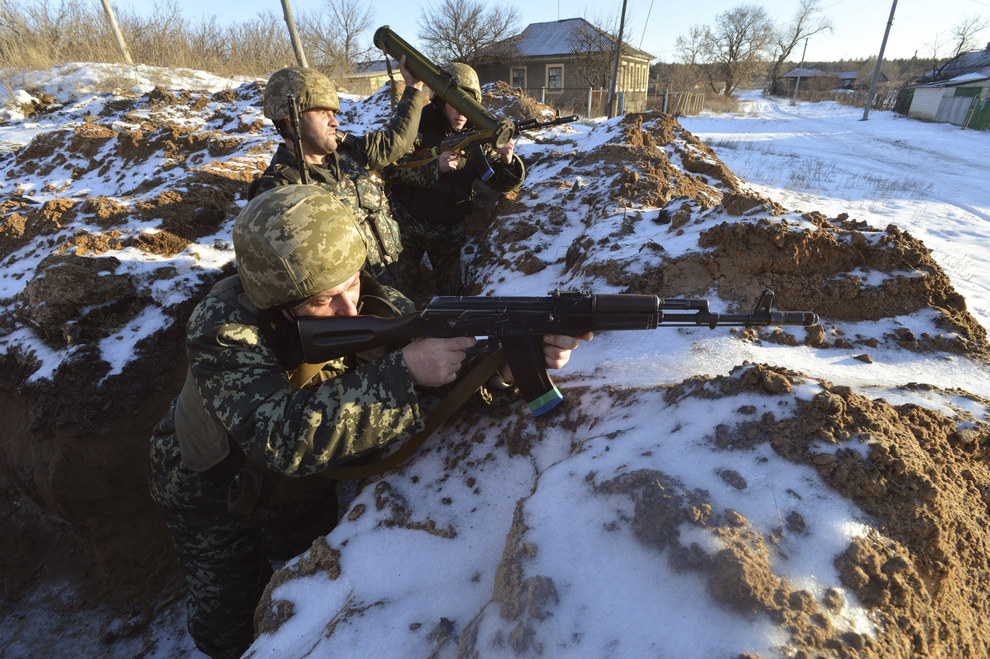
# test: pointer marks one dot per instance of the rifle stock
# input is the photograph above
(520, 322)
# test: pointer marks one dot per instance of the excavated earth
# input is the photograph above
(73, 448)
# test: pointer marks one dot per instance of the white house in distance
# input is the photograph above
(958, 92)
(568, 63)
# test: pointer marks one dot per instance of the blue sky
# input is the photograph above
(654, 25)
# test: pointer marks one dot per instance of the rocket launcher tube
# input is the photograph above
(445, 86)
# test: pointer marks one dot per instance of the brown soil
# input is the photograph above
(75, 446)
(924, 481)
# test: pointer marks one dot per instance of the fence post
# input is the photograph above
(666, 95)
(543, 95)
(293, 35)
(121, 45)
(589, 102)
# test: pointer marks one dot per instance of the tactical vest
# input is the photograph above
(204, 442)
(363, 193)
(357, 188)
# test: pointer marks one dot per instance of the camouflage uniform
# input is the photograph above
(252, 423)
(350, 173)
(255, 425)
(432, 207)
(240, 375)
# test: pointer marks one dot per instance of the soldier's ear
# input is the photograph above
(284, 128)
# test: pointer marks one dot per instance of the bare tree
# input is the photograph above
(732, 49)
(963, 33)
(262, 43)
(962, 38)
(333, 35)
(594, 46)
(675, 76)
(806, 24)
(461, 30)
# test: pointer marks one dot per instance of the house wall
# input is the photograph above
(632, 81)
(365, 85)
(926, 102)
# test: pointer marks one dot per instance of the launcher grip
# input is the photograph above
(524, 354)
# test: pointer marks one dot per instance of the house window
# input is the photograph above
(555, 77)
(519, 77)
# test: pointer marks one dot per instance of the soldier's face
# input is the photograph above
(337, 301)
(456, 120)
(317, 128)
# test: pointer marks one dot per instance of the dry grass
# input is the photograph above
(46, 33)
(719, 103)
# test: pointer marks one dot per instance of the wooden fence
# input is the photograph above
(883, 99)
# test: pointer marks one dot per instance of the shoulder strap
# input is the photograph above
(304, 373)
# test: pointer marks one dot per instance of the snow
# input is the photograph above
(928, 179)
(615, 597)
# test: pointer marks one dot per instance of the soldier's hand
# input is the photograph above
(449, 161)
(407, 77)
(433, 362)
(557, 350)
(506, 152)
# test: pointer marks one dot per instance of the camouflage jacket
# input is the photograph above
(239, 366)
(350, 173)
(353, 406)
(428, 196)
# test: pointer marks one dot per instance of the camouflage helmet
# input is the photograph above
(467, 78)
(293, 242)
(311, 88)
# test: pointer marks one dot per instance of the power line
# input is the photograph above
(645, 23)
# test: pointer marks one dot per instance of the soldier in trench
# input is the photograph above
(236, 462)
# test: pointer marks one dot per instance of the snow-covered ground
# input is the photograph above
(610, 596)
(405, 592)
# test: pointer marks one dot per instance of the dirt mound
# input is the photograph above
(841, 268)
(512, 103)
(172, 169)
(75, 441)
(916, 473)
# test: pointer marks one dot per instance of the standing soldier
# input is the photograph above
(236, 462)
(432, 201)
(348, 171)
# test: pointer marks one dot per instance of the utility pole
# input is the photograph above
(800, 68)
(876, 72)
(615, 68)
(121, 44)
(293, 35)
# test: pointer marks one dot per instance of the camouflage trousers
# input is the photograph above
(225, 557)
(442, 244)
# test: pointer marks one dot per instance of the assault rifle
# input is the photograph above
(461, 141)
(520, 322)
